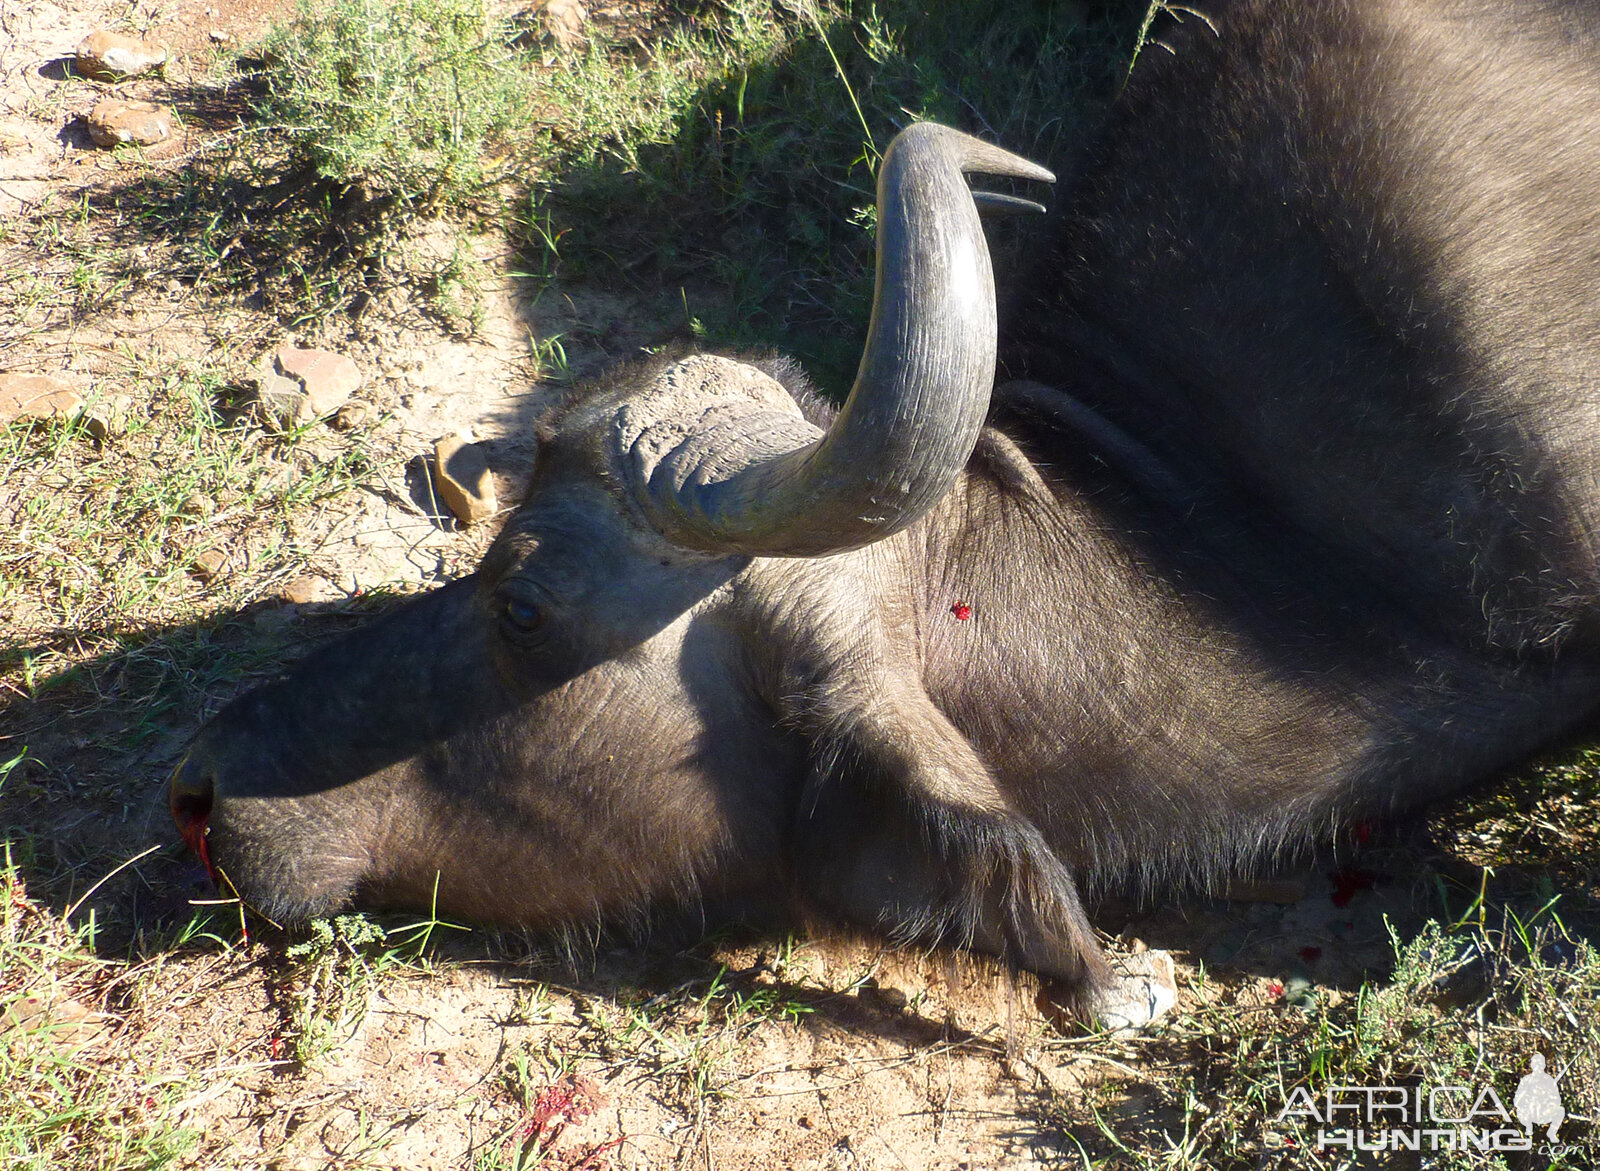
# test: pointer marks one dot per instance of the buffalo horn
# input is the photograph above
(767, 487)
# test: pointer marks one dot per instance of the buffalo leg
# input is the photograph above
(904, 827)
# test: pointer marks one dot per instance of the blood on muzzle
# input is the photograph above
(190, 794)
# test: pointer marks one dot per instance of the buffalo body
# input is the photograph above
(1282, 515)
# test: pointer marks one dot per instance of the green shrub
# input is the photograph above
(411, 103)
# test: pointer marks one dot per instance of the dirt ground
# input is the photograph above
(819, 1053)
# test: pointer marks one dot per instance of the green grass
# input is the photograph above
(109, 536)
(686, 1036)
(684, 1040)
(1467, 1004)
(62, 1102)
(337, 963)
(413, 103)
(99, 563)
(724, 167)
(334, 969)
(758, 153)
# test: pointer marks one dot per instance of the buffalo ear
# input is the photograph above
(893, 859)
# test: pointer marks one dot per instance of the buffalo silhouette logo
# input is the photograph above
(1538, 1100)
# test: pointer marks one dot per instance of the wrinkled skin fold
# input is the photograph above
(1282, 516)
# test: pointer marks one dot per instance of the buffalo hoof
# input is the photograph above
(1143, 989)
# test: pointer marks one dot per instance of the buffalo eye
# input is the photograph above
(522, 614)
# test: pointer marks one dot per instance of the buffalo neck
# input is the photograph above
(1095, 634)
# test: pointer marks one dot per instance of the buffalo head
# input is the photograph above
(689, 667)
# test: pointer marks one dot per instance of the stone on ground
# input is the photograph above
(119, 121)
(300, 590)
(563, 22)
(208, 565)
(62, 1020)
(350, 416)
(36, 396)
(296, 385)
(327, 378)
(196, 504)
(108, 417)
(109, 56)
(462, 479)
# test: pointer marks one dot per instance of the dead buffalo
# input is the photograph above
(1284, 514)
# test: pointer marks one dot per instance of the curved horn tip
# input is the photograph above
(996, 203)
(973, 154)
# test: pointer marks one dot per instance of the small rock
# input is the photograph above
(208, 565)
(65, 1021)
(115, 121)
(564, 21)
(462, 479)
(1145, 990)
(107, 417)
(36, 396)
(350, 416)
(295, 386)
(301, 590)
(328, 378)
(282, 401)
(195, 504)
(220, 37)
(110, 56)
